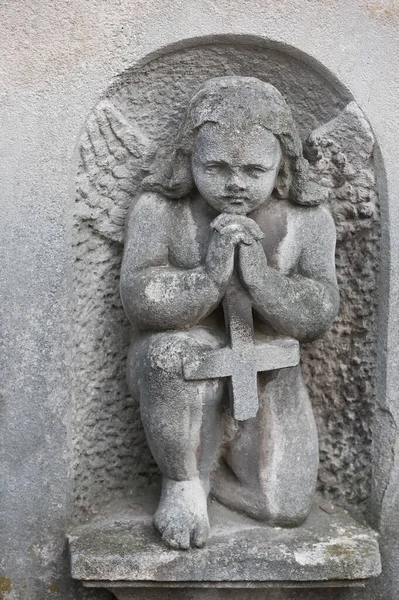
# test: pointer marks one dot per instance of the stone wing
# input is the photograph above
(340, 153)
(340, 368)
(115, 156)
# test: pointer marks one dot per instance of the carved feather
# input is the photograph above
(115, 156)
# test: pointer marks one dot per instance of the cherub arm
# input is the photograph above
(305, 304)
(157, 296)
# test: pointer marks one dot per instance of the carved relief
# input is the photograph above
(255, 466)
(232, 219)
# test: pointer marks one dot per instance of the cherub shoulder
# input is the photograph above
(150, 202)
(151, 208)
(311, 219)
(148, 216)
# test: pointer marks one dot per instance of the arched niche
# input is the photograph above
(111, 458)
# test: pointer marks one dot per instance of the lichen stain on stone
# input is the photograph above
(5, 587)
(54, 587)
(339, 551)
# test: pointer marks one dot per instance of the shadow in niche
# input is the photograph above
(112, 459)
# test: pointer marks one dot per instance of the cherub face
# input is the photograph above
(235, 170)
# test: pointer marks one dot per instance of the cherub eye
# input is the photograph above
(213, 167)
(255, 172)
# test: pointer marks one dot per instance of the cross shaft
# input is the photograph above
(242, 359)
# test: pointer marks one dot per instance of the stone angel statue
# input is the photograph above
(228, 263)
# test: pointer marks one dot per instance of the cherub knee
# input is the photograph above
(279, 516)
(280, 509)
(166, 352)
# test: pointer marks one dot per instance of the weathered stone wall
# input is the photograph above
(57, 58)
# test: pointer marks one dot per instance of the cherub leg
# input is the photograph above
(182, 424)
(273, 458)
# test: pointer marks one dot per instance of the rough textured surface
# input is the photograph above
(109, 443)
(340, 368)
(125, 547)
(151, 100)
(57, 58)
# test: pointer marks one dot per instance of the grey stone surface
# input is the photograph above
(344, 365)
(105, 343)
(57, 58)
(104, 410)
(230, 219)
(123, 547)
(242, 362)
(221, 594)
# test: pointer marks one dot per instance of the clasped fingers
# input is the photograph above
(238, 227)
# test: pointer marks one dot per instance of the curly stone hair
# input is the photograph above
(243, 102)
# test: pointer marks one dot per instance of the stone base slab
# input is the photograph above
(122, 549)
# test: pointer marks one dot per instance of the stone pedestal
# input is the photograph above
(123, 553)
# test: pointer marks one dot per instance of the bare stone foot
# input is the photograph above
(182, 515)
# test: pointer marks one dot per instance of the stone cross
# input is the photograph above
(243, 358)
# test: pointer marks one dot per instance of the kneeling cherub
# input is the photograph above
(235, 202)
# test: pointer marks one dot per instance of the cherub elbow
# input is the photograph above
(319, 318)
(128, 304)
(130, 298)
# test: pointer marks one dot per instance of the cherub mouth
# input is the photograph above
(235, 199)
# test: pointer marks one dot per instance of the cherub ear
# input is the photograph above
(181, 180)
(284, 180)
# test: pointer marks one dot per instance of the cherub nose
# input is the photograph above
(235, 183)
